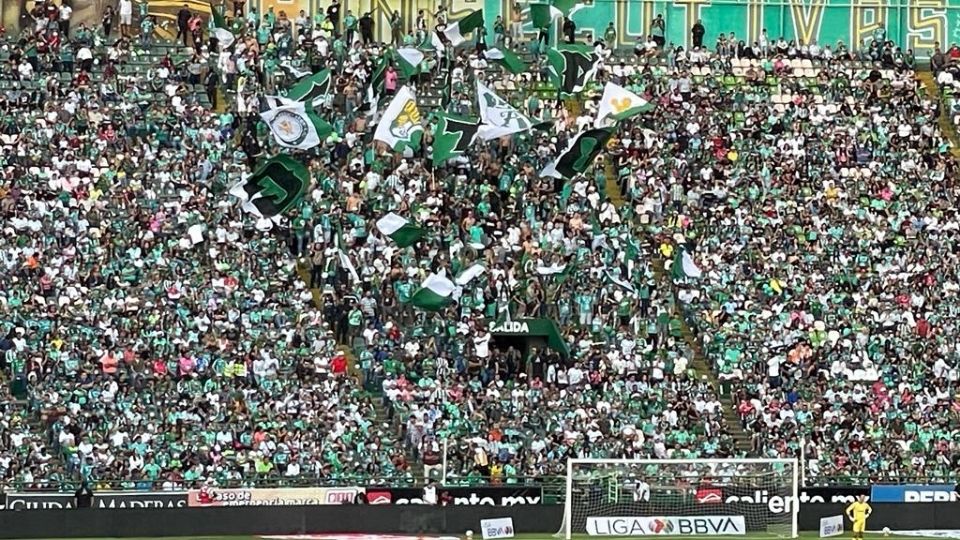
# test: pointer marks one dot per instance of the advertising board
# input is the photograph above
(831, 526)
(496, 528)
(271, 497)
(469, 496)
(105, 499)
(667, 526)
(910, 493)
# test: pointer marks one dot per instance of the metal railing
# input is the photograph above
(271, 481)
(553, 486)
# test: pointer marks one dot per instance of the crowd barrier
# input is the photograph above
(275, 520)
(400, 510)
(377, 519)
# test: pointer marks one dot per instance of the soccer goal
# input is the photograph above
(681, 497)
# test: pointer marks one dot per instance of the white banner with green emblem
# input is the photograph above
(293, 125)
(400, 125)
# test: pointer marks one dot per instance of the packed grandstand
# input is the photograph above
(760, 260)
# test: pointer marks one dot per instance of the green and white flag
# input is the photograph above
(542, 14)
(293, 72)
(295, 126)
(400, 230)
(572, 67)
(435, 293)
(618, 103)
(410, 61)
(468, 275)
(400, 126)
(274, 187)
(312, 89)
(375, 88)
(506, 58)
(454, 33)
(272, 102)
(221, 30)
(497, 117)
(344, 258)
(452, 136)
(618, 281)
(579, 155)
(568, 7)
(555, 268)
(683, 265)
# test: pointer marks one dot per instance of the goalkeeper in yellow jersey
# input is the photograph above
(858, 512)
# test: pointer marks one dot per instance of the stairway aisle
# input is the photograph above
(699, 361)
(949, 131)
(613, 185)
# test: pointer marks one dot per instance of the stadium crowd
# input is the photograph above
(821, 303)
(154, 334)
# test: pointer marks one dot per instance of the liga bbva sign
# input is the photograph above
(667, 526)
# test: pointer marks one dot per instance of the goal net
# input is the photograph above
(678, 497)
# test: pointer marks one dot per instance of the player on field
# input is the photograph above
(858, 512)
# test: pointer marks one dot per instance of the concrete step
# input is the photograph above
(949, 131)
(699, 361)
(613, 186)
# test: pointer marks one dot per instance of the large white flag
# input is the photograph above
(497, 117)
(400, 125)
(294, 126)
(619, 103)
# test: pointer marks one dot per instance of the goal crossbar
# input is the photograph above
(789, 489)
(695, 461)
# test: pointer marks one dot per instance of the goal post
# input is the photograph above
(681, 498)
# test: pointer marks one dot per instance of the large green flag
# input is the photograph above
(579, 155)
(452, 135)
(379, 75)
(275, 187)
(572, 67)
(312, 89)
(375, 89)
(542, 15)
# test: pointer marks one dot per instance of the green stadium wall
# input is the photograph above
(914, 24)
(385, 519)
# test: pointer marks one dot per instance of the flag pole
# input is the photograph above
(449, 77)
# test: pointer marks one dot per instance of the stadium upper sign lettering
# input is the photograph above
(511, 327)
